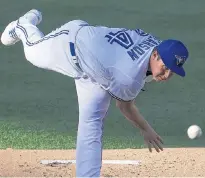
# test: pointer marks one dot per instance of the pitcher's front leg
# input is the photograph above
(93, 106)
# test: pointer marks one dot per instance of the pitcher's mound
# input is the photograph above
(172, 162)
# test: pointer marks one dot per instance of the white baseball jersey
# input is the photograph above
(116, 58)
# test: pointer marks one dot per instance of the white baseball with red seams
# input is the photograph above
(194, 131)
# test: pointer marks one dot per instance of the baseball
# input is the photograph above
(194, 131)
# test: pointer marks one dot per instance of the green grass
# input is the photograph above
(18, 138)
(38, 109)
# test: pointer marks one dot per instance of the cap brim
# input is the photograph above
(179, 71)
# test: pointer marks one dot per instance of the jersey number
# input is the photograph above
(121, 37)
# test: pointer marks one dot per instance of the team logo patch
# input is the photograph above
(120, 37)
(180, 60)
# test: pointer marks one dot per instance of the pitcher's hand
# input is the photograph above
(152, 139)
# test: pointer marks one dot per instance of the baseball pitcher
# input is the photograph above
(105, 63)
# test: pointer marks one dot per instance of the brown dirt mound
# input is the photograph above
(169, 163)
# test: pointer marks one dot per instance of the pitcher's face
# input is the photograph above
(159, 71)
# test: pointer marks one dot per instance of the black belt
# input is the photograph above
(73, 54)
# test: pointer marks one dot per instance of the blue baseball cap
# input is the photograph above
(174, 54)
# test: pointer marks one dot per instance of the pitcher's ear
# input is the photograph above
(155, 55)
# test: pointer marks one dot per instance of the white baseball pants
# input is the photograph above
(52, 52)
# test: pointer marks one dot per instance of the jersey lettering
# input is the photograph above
(141, 48)
(141, 32)
(123, 39)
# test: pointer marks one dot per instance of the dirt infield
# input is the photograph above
(171, 162)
